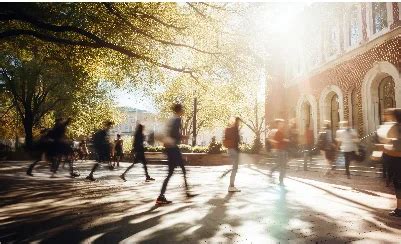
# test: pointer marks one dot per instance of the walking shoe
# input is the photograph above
(74, 174)
(395, 213)
(123, 177)
(149, 179)
(162, 200)
(189, 195)
(90, 177)
(233, 189)
(29, 173)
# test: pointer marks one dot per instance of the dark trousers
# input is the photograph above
(54, 164)
(103, 156)
(139, 157)
(348, 157)
(174, 159)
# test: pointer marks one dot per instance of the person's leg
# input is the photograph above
(306, 155)
(170, 173)
(384, 164)
(30, 168)
(128, 169)
(234, 157)
(283, 165)
(101, 157)
(347, 159)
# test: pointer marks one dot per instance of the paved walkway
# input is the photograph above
(310, 208)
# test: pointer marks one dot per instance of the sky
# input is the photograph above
(134, 99)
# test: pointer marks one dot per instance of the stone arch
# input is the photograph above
(325, 103)
(370, 97)
(310, 99)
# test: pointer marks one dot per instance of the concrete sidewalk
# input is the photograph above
(310, 208)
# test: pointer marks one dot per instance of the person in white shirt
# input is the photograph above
(347, 138)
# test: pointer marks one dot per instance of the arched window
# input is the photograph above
(354, 32)
(334, 113)
(379, 15)
(386, 95)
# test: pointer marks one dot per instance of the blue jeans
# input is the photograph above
(234, 156)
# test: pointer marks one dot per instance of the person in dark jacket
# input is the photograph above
(53, 143)
(139, 153)
(101, 142)
(174, 156)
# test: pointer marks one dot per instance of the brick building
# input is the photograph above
(343, 62)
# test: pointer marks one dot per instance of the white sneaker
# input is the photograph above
(233, 189)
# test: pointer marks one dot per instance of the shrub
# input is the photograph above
(215, 147)
(154, 148)
(257, 146)
(185, 148)
(200, 149)
(245, 148)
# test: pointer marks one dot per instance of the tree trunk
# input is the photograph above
(28, 128)
(194, 134)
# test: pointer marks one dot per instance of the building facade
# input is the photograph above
(133, 116)
(345, 64)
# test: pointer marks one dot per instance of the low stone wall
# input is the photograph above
(205, 159)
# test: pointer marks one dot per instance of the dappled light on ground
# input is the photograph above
(54, 210)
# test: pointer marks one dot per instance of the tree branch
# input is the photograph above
(103, 44)
(115, 12)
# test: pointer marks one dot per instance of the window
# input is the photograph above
(379, 15)
(332, 42)
(354, 31)
(386, 96)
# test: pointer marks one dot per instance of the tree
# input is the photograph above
(40, 86)
(150, 35)
(214, 100)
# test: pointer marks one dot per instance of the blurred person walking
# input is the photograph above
(390, 134)
(347, 139)
(55, 146)
(101, 143)
(280, 147)
(327, 147)
(139, 153)
(174, 156)
(231, 142)
(308, 146)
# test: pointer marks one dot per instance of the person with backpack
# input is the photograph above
(139, 153)
(327, 146)
(392, 155)
(174, 156)
(231, 142)
(102, 147)
(280, 146)
(347, 137)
